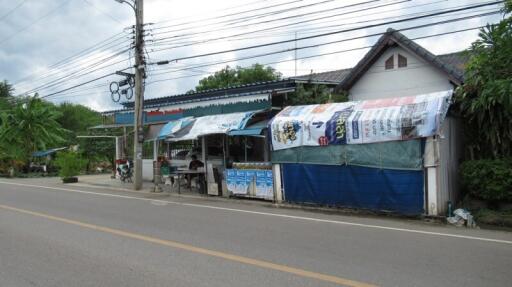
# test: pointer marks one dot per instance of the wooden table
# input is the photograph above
(180, 173)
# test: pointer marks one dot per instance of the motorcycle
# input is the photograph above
(125, 172)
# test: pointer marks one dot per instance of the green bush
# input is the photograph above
(69, 164)
(487, 179)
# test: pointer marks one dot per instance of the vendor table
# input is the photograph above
(180, 173)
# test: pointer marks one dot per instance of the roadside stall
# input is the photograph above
(209, 136)
(249, 173)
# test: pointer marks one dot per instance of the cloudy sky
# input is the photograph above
(48, 46)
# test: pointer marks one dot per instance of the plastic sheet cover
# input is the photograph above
(398, 191)
(360, 122)
(216, 124)
(406, 155)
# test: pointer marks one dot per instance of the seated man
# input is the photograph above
(193, 165)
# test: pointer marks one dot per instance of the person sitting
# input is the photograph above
(193, 165)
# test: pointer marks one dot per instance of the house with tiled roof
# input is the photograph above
(398, 67)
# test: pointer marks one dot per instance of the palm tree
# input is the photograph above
(31, 125)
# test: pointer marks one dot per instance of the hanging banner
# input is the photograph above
(215, 124)
(360, 122)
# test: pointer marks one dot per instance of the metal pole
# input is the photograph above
(139, 94)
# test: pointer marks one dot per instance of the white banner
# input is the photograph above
(215, 124)
(360, 122)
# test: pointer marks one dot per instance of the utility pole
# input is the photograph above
(139, 94)
(138, 125)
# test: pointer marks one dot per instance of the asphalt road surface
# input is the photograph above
(83, 236)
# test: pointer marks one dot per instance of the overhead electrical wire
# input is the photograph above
(74, 75)
(12, 10)
(331, 42)
(325, 54)
(78, 74)
(246, 24)
(105, 45)
(103, 12)
(165, 62)
(255, 16)
(304, 30)
(272, 28)
(18, 32)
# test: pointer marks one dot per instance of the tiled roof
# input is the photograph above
(334, 77)
(457, 60)
(452, 64)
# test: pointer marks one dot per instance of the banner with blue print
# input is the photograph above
(360, 122)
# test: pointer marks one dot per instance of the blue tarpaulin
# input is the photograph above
(251, 130)
(172, 127)
(354, 186)
(45, 153)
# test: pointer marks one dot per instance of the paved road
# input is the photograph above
(81, 236)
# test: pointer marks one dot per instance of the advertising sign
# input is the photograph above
(360, 122)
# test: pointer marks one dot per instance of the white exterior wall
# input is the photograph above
(442, 154)
(419, 77)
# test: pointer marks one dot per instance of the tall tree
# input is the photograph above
(238, 76)
(6, 95)
(31, 125)
(77, 119)
(485, 99)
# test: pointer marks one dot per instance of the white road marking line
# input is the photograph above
(441, 234)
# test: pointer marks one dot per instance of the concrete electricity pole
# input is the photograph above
(139, 94)
(137, 6)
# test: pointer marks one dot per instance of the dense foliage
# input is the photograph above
(314, 94)
(485, 99)
(488, 179)
(238, 76)
(70, 164)
(31, 124)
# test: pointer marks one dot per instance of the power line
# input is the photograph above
(326, 34)
(288, 25)
(98, 47)
(281, 61)
(326, 54)
(226, 9)
(74, 75)
(77, 64)
(333, 42)
(34, 22)
(305, 30)
(103, 12)
(243, 12)
(12, 10)
(78, 85)
(183, 44)
(254, 17)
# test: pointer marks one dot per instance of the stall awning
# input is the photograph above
(252, 130)
(215, 124)
(172, 127)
